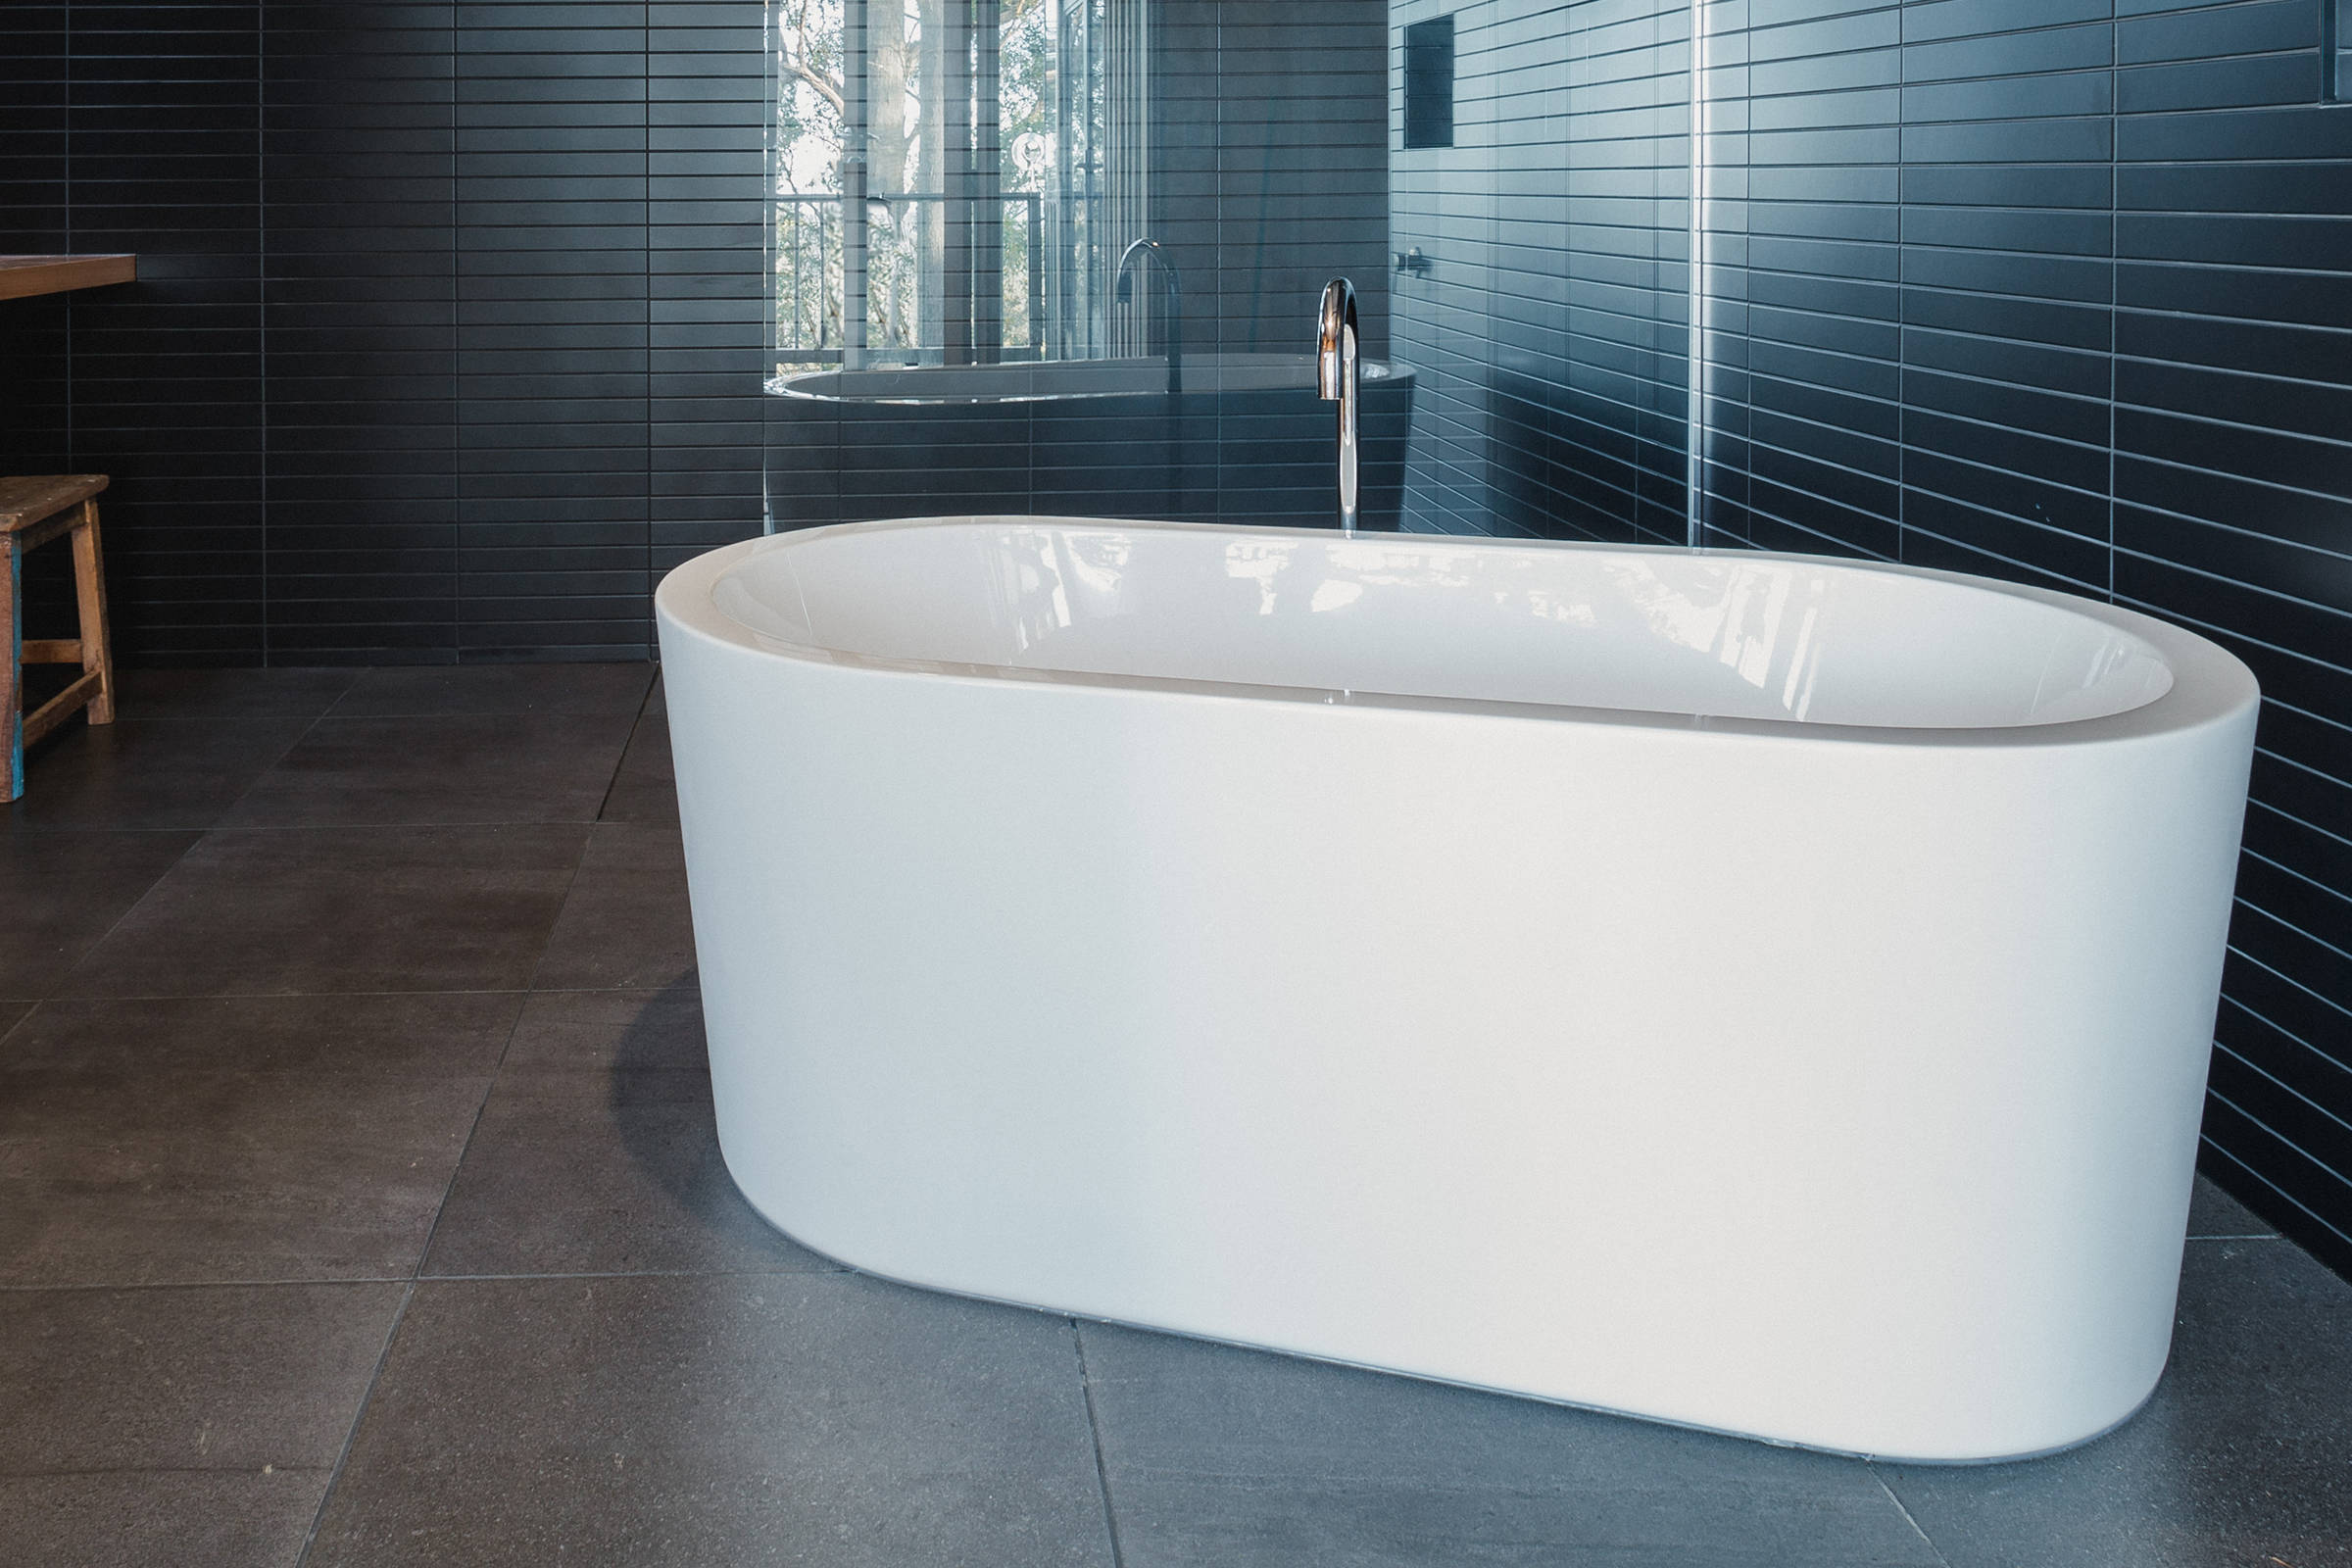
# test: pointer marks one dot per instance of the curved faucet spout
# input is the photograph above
(1335, 382)
(1122, 292)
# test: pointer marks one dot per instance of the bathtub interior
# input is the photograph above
(1738, 635)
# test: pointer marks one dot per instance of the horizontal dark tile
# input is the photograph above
(2297, 929)
(2308, 1185)
(2252, 1160)
(2291, 1017)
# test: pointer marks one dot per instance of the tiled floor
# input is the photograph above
(359, 1204)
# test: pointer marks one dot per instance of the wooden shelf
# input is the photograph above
(24, 276)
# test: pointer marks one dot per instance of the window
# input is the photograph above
(952, 180)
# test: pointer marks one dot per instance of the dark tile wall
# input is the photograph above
(1270, 164)
(446, 338)
(554, 303)
(165, 389)
(2061, 291)
(1550, 328)
(706, 94)
(35, 410)
(359, 406)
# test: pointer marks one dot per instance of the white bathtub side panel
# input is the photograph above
(1840, 1094)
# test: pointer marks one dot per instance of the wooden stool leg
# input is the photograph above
(89, 587)
(12, 677)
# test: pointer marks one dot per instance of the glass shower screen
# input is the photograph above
(1064, 257)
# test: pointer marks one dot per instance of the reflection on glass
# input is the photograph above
(951, 179)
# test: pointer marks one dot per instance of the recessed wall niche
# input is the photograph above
(1429, 83)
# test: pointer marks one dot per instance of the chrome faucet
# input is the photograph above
(1335, 382)
(1123, 291)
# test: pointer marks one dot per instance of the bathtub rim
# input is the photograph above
(2210, 685)
(1378, 373)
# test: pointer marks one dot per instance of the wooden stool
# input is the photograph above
(33, 511)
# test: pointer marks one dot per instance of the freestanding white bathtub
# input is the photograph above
(1749, 990)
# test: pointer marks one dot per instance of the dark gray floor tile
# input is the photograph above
(65, 892)
(487, 768)
(499, 689)
(186, 1518)
(588, 1040)
(195, 1427)
(397, 1036)
(2214, 1213)
(2242, 1457)
(198, 1378)
(149, 773)
(596, 1153)
(282, 1138)
(625, 922)
(1217, 1455)
(646, 787)
(1250, 1522)
(228, 693)
(340, 910)
(10, 1012)
(803, 1419)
